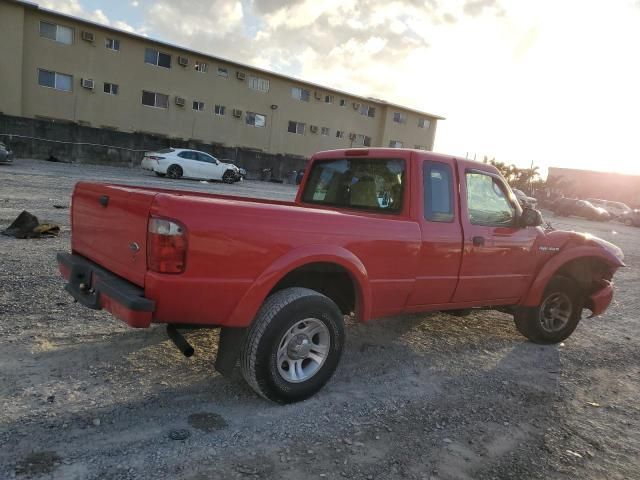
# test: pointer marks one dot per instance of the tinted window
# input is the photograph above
(203, 157)
(46, 78)
(364, 183)
(188, 155)
(438, 192)
(487, 201)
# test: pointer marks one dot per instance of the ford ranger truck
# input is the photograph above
(372, 233)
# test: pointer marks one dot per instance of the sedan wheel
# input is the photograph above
(229, 176)
(174, 171)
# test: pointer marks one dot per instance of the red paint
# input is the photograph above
(237, 249)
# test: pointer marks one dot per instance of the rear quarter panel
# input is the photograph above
(233, 244)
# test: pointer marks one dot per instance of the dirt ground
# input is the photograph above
(418, 397)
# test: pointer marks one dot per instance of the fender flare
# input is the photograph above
(248, 306)
(533, 297)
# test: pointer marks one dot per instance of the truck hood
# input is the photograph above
(558, 240)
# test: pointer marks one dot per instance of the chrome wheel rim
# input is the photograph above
(555, 312)
(227, 177)
(302, 350)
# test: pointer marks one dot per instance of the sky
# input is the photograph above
(553, 82)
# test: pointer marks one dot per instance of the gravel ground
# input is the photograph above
(418, 397)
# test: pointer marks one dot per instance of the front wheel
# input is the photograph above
(229, 176)
(556, 317)
(293, 346)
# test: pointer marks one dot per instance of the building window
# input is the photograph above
(395, 144)
(424, 123)
(362, 140)
(59, 81)
(328, 99)
(343, 102)
(57, 33)
(223, 72)
(296, 127)
(255, 119)
(112, 44)
(339, 133)
(199, 106)
(201, 67)
(259, 84)
(301, 94)
(155, 57)
(110, 88)
(367, 111)
(399, 117)
(325, 131)
(152, 99)
(219, 110)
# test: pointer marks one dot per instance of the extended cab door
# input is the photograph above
(441, 242)
(498, 261)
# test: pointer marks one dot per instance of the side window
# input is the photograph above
(188, 155)
(438, 192)
(203, 157)
(487, 201)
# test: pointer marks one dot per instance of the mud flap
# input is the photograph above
(229, 345)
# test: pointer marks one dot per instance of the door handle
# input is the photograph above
(478, 241)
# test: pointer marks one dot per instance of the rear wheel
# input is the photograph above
(174, 171)
(556, 317)
(229, 176)
(293, 346)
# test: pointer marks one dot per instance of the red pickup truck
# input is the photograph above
(372, 232)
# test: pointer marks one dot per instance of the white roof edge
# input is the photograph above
(233, 62)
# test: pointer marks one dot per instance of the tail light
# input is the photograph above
(166, 246)
(154, 157)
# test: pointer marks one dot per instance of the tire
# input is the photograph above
(160, 174)
(541, 324)
(174, 171)
(229, 176)
(270, 363)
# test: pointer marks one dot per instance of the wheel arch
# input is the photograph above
(312, 258)
(582, 264)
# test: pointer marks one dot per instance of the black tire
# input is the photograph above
(277, 316)
(530, 320)
(461, 312)
(174, 171)
(229, 176)
(160, 174)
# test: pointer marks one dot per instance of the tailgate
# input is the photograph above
(109, 227)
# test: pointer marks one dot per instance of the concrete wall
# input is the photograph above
(19, 30)
(73, 143)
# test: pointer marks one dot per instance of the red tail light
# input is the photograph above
(154, 157)
(166, 246)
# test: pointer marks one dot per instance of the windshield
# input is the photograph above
(362, 183)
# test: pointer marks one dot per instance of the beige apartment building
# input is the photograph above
(58, 67)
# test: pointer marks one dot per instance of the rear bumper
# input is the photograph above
(96, 288)
(599, 301)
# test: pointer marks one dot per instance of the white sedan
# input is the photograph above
(184, 163)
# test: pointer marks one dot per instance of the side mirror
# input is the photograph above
(530, 218)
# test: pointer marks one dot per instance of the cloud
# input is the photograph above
(75, 8)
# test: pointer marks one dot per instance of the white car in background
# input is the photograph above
(185, 163)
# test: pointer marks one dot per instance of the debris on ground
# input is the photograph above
(27, 225)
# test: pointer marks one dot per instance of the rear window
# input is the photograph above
(375, 184)
(166, 150)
